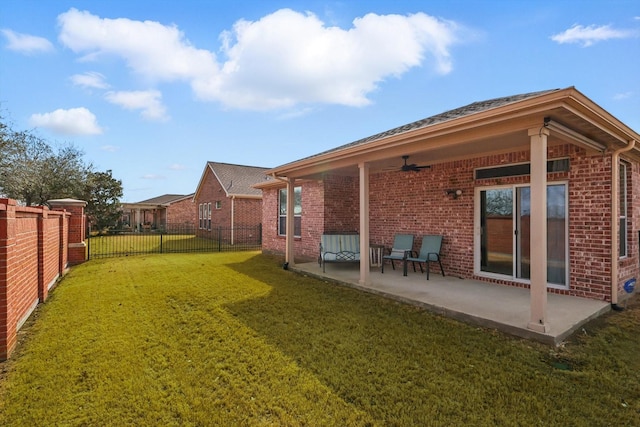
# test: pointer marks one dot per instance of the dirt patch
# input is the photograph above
(631, 307)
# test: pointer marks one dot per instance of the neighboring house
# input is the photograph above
(165, 212)
(225, 199)
(538, 190)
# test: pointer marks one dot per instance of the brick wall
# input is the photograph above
(34, 253)
(211, 191)
(182, 212)
(246, 211)
(417, 203)
(306, 247)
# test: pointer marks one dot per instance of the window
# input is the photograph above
(204, 216)
(521, 169)
(622, 205)
(504, 240)
(297, 212)
(218, 204)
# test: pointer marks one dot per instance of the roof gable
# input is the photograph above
(237, 180)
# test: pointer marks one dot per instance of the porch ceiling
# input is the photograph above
(429, 150)
(497, 144)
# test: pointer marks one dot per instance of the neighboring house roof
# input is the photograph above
(157, 202)
(166, 199)
(237, 180)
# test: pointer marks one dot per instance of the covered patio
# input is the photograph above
(505, 308)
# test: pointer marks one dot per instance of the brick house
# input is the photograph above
(165, 212)
(537, 190)
(225, 198)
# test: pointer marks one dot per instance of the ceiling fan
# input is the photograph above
(411, 167)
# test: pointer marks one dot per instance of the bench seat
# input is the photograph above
(339, 248)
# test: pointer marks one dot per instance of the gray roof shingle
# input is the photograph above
(239, 180)
(165, 199)
(473, 108)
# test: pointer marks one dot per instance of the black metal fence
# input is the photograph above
(172, 239)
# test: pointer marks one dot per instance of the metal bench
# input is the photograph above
(339, 248)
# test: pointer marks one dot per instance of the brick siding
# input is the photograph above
(246, 211)
(182, 212)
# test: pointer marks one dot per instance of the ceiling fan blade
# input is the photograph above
(411, 167)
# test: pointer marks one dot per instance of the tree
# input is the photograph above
(103, 193)
(64, 174)
(23, 156)
(33, 172)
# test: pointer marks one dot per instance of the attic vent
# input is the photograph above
(521, 169)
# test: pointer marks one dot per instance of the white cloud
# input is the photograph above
(282, 60)
(90, 80)
(75, 121)
(177, 167)
(149, 48)
(621, 96)
(587, 36)
(152, 176)
(110, 148)
(295, 113)
(288, 58)
(26, 43)
(149, 102)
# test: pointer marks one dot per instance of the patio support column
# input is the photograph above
(538, 239)
(364, 223)
(291, 201)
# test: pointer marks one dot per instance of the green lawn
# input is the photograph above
(232, 339)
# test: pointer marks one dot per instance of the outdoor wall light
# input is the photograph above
(454, 193)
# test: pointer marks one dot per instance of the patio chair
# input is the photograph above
(402, 247)
(429, 252)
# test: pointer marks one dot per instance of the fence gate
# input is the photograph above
(172, 239)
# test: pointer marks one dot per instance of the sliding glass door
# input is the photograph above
(505, 218)
(496, 222)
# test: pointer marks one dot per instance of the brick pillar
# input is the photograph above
(63, 231)
(77, 253)
(8, 333)
(42, 242)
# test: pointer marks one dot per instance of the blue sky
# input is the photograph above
(154, 89)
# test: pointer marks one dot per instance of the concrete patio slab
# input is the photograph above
(500, 307)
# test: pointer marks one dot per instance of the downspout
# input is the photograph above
(233, 200)
(615, 218)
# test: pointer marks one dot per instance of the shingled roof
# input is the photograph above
(467, 110)
(238, 180)
(166, 199)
